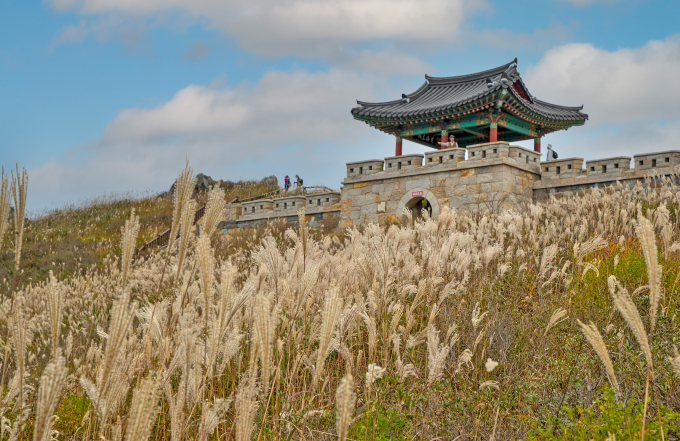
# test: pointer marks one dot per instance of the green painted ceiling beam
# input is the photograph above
(472, 132)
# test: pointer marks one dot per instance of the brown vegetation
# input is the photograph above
(465, 326)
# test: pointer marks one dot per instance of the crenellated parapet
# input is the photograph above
(660, 160)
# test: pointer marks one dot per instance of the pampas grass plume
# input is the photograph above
(55, 307)
(595, 339)
(4, 205)
(345, 400)
(51, 384)
(184, 187)
(645, 232)
(19, 191)
(128, 241)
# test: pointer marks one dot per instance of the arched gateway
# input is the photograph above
(414, 199)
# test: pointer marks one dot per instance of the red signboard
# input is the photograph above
(416, 193)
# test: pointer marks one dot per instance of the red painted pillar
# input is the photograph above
(398, 149)
(493, 132)
(537, 145)
(445, 138)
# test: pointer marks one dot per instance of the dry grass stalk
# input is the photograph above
(143, 410)
(645, 232)
(110, 378)
(675, 361)
(19, 341)
(344, 400)
(184, 187)
(373, 373)
(489, 383)
(19, 191)
(186, 228)
(246, 406)
(206, 270)
(211, 416)
(329, 318)
(55, 306)
(128, 242)
(264, 330)
(51, 383)
(214, 211)
(436, 355)
(595, 339)
(5, 195)
(630, 314)
(557, 317)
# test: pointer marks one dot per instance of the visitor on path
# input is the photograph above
(298, 182)
(551, 154)
(452, 143)
(286, 184)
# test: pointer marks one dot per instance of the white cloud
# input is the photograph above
(288, 122)
(336, 30)
(539, 39)
(622, 86)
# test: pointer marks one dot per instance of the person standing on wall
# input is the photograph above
(452, 143)
(550, 154)
(298, 182)
(286, 184)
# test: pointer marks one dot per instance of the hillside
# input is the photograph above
(558, 322)
(80, 235)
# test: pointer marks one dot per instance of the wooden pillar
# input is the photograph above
(493, 132)
(398, 148)
(445, 138)
(537, 145)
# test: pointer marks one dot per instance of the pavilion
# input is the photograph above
(494, 105)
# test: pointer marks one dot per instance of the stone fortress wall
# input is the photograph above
(321, 210)
(493, 176)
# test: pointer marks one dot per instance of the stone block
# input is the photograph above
(467, 172)
(459, 190)
(485, 188)
(362, 184)
(369, 209)
(417, 183)
(382, 207)
(464, 200)
(501, 186)
(466, 180)
(472, 189)
(483, 178)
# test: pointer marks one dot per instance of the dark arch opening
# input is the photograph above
(417, 204)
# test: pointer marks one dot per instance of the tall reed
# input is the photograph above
(5, 194)
(19, 192)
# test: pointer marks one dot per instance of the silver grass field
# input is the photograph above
(550, 321)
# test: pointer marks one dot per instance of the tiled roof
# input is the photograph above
(443, 93)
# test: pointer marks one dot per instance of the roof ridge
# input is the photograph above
(469, 77)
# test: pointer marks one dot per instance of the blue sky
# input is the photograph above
(112, 95)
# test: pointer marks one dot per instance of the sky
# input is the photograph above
(101, 96)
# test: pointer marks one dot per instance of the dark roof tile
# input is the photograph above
(443, 93)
